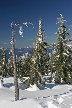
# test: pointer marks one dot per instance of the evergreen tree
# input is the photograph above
(51, 69)
(38, 64)
(10, 66)
(24, 65)
(35, 76)
(40, 51)
(3, 64)
(62, 57)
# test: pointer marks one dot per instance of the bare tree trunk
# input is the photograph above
(14, 64)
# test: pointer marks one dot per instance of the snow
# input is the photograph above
(32, 88)
(60, 100)
(57, 96)
(21, 31)
(1, 86)
(27, 103)
(40, 40)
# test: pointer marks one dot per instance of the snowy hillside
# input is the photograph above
(51, 96)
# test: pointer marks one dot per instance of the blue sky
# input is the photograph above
(32, 10)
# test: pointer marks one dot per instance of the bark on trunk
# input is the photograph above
(14, 64)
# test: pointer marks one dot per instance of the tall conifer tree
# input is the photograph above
(62, 56)
(39, 60)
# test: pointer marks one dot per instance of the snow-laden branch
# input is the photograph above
(61, 20)
(20, 24)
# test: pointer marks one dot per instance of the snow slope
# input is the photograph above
(56, 96)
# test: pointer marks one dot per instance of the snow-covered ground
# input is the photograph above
(50, 96)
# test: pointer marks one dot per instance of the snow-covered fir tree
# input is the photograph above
(39, 60)
(62, 56)
(3, 62)
(40, 52)
(3, 66)
(10, 66)
(37, 65)
(24, 65)
(51, 69)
